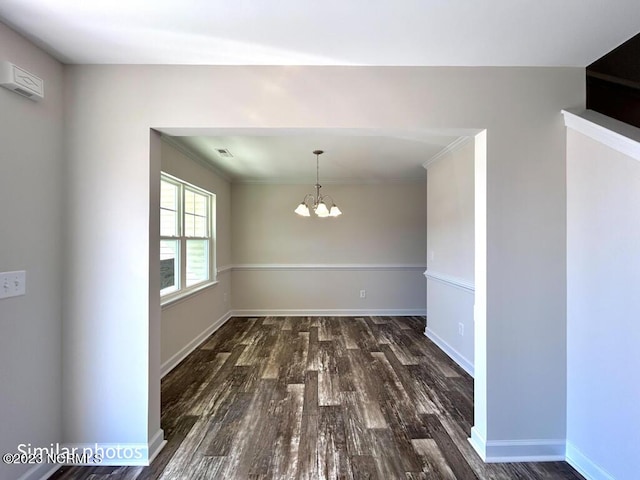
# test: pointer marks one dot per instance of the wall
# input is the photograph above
(522, 397)
(450, 247)
(195, 317)
(603, 306)
(31, 176)
(295, 265)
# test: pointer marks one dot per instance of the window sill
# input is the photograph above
(182, 296)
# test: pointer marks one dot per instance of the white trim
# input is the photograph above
(506, 451)
(156, 444)
(614, 134)
(225, 269)
(172, 362)
(584, 465)
(326, 266)
(478, 443)
(415, 312)
(181, 295)
(171, 141)
(452, 147)
(40, 472)
(450, 280)
(456, 356)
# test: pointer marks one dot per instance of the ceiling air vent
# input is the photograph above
(224, 153)
(20, 81)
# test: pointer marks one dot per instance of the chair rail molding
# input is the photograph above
(460, 283)
(325, 266)
(608, 131)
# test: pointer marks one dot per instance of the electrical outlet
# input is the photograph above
(13, 284)
(461, 329)
(363, 294)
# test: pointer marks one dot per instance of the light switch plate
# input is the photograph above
(13, 284)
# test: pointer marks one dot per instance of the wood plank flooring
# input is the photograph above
(319, 398)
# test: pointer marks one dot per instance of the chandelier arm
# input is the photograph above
(322, 197)
(307, 196)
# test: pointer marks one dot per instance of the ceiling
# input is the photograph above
(350, 157)
(330, 32)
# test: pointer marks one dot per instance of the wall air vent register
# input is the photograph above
(20, 81)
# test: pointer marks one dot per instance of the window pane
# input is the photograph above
(200, 207)
(189, 201)
(195, 226)
(195, 203)
(169, 273)
(168, 209)
(197, 261)
(200, 227)
(168, 195)
(189, 226)
(168, 223)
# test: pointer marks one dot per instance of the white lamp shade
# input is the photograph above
(303, 210)
(335, 211)
(322, 210)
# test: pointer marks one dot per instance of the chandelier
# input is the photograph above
(317, 202)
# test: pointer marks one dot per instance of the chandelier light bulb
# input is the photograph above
(303, 210)
(322, 210)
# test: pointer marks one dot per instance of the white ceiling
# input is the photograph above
(348, 157)
(328, 32)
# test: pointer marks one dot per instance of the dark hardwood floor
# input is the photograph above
(312, 398)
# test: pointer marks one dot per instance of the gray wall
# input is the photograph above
(521, 395)
(112, 320)
(185, 320)
(31, 183)
(450, 257)
(312, 264)
(603, 307)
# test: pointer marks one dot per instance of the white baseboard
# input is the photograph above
(40, 472)
(478, 443)
(465, 364)
(171, 363)
(584, 465)
(156, 444)
(345, 312)
(505, 451)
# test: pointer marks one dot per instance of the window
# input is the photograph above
(186, 237)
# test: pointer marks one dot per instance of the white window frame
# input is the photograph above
(181, 274)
